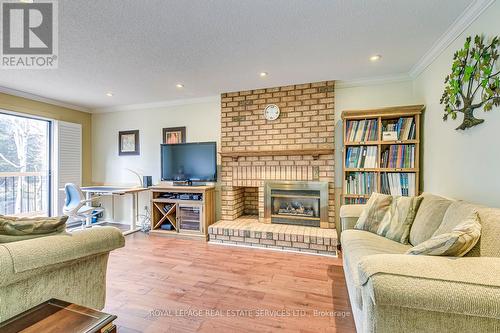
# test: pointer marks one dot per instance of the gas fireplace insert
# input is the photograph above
(296, 202)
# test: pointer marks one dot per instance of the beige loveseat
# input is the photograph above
(393, 292)
(68, 267)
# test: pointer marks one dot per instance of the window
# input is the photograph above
(25, 166)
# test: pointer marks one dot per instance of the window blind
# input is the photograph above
(68, 159)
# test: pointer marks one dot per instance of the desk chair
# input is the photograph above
(77, 207)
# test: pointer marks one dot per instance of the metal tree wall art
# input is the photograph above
(474, 81)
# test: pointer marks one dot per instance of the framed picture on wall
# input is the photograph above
(128, 143)
(173, 135)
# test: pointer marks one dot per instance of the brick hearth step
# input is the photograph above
(247, 230)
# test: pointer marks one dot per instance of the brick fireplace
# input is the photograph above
(298, 146)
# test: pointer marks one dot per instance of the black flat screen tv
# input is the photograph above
(193, 162)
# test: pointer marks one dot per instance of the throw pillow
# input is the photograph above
(388, 216)
(456, 213)
(456, 243)
(373, 213)
(429, 217)
(22, 226)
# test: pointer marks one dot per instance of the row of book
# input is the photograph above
(361, 157)
(355, 201)
(362, 130)
(405, 128)
(398, 183)
(398, 156)
(360, 183)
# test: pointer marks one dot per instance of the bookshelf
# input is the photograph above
(381, 152)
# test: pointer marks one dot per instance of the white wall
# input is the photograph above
(202, 121)
(460, 164)
(366, 97)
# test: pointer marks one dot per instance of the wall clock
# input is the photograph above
(272, 112)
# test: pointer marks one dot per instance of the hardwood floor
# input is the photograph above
(161, 284)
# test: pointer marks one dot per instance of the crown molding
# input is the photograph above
(371, 81)
(156, 105)
(469, 15)
(38, 98)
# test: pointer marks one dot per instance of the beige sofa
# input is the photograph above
(393, 292)
(68, 267)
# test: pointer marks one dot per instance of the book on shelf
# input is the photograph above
(355, 201)
(361, 157)
(404, 127)
(402, 184)
(362, 130)
(398, 156)
(360, 183)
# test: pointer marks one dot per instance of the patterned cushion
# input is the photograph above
(22, 226)
(456, 243)
(389, 216)
(373, 213)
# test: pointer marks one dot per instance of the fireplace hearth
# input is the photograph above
(296, 202)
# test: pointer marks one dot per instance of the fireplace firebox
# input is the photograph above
(296, 202)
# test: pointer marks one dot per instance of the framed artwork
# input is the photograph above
(128, 143)
(173, 135)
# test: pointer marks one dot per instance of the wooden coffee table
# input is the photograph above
(57, 316)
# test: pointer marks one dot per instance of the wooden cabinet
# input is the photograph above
(182, 210)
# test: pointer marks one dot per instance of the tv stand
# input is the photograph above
(185, 211)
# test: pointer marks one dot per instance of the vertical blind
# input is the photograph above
(68, 159)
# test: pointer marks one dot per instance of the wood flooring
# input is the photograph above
(163, 284)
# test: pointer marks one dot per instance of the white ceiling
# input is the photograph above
(139, 50)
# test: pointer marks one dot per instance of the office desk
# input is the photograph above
(116, 191)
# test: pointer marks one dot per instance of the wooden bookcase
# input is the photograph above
(187, 217)
(381, 116)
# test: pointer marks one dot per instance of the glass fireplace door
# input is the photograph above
(295, 207)
(296, 202)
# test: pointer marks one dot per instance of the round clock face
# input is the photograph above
(272, 112)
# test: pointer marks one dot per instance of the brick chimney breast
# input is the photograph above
(306, 124)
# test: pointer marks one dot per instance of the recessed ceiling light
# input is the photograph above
(26, 1)
(262, 74)
(179, 85)
(109, 94)
(376, 57)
